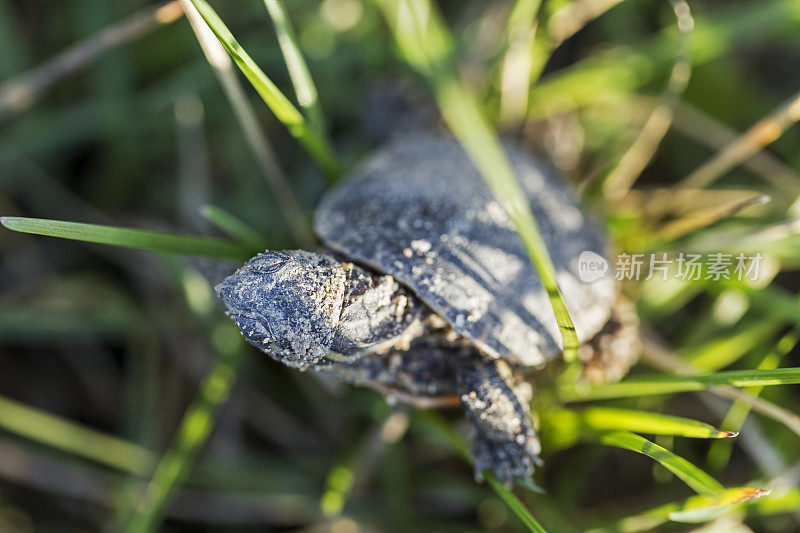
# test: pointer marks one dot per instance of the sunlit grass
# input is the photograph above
(177, 463)
(316, 144)
(693, 510)
(235, 228)
(742, 345)
(73, 438)
(608, 418)
(427, 46)
(699, 481)
(153, 241)
(252, 131)
(304, 88)
(656, 385)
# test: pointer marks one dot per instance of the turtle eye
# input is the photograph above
(269, 263)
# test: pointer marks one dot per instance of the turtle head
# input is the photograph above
(287, 304)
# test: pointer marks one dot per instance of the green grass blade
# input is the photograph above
(563, 428)
(304, 87)
(611, 418)
(718, 455)
(154, 241)
(622, 70)
(177, 462)
(436, 425)
(234, 227)
(630, 165)
(722, 352)
(672, 384)
(74, 438)
(696, 509)
(774, 301)
(697, 479)
(317, 145)
(426, 45)
(701, 509)
(514, 504)
(523, 61)
(254, 136)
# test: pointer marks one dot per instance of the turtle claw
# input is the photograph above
(507, 458)
(504, 441)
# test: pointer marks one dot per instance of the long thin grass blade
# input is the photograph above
(563, 428)
(704, 219)
(177, 462)
(304, 87)
(567, 20)
(658, 356)
(772, 300)
(700, 509)
(761, 134)
(154, 241)
(641, 152)
(718, 455)
(515, 505)
(317, 145)
(722, 352)
(234, 227)
(522, 62)
(611, 418)
(705, 129)
(698, 480)
(435, 425)
(671, 384)
(74, 438)
(427, 46)
(696, 509)
(256, 140)
(615, 72)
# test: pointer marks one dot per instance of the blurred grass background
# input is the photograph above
(118, 341)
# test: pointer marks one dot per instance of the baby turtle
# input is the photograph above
(426, 293)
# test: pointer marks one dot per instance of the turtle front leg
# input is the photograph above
(503, 439)
(433, 373)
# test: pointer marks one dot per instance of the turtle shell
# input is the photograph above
(419, 210)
